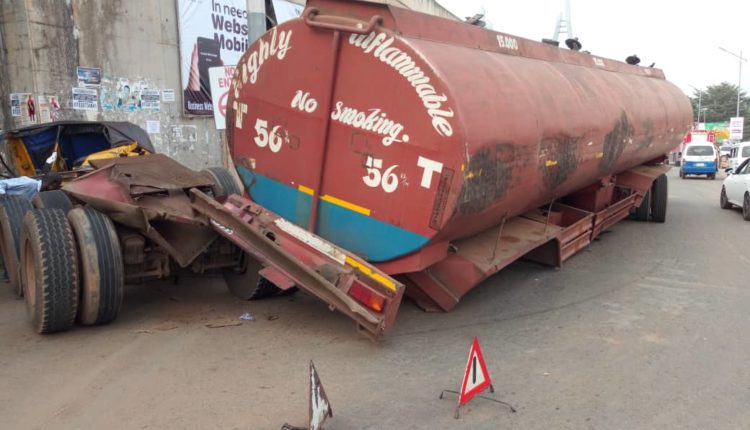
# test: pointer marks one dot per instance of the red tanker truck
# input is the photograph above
(442, 152)
(382, 152)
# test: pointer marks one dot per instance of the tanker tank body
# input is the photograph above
(441, 151)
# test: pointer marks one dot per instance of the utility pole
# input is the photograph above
(700, 96)
(739, 80)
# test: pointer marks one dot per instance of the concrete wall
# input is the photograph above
(134, 42)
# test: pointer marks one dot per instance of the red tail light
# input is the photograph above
(368, 297)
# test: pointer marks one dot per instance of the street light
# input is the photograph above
(700, 96)
(704, 110)
(739, 80)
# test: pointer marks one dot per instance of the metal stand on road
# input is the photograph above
(492, 390)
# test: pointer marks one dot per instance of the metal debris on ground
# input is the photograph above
(223, 323)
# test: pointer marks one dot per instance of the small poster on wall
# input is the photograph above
(85, 99)
(150, 100)
(89, 77)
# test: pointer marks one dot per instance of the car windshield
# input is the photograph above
(746, 151)
(700, 150)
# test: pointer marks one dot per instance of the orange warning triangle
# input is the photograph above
(320, 408)
(476, 377)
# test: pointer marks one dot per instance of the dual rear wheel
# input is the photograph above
(71, 268)
(654, 204)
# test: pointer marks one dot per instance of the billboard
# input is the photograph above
(736, 126)
(213, 33)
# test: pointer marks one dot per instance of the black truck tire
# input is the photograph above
(642, 212)
(246, 283)
(12, 211)
(102, 271)
(55, 199)
(49, 270)
(659, 196)
(224, 182)
(746, 207)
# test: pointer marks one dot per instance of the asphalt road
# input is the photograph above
(646, 329)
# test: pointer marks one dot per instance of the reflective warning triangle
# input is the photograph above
(320, 408)
(476, 377)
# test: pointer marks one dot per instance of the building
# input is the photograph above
(112, 60)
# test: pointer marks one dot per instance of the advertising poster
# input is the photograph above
(49, 106)
(89, 77)
(15, 104)
(23, 106)
(220, 78)
(212, 33)
(85, 99)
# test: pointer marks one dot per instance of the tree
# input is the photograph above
(720, 102)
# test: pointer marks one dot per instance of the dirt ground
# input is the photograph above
(647, 328)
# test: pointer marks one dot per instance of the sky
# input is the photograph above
(682, 37)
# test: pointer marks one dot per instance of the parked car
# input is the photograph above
(736, 189)
(700, 159)
(737, 154)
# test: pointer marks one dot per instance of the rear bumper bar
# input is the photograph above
(292, 255)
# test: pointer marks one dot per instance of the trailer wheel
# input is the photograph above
(659, 194)
(12, 211)
(102, 271)
(724, 200)
(712, 176)
(55, 199)
(49, 270)
(245, 282)
(642, 211)
(224, 182)
(682, 174)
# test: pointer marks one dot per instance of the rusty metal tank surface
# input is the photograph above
(389, 130)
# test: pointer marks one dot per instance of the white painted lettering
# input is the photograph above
(240, 109)
(278, 46)
(304, 102)
(404, 64)
(430, 167)
(375, 121)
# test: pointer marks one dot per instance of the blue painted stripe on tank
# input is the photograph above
(282, 199)
(372, 239)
